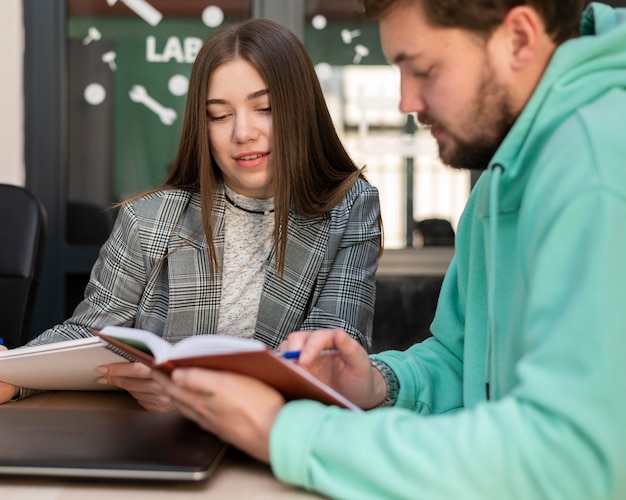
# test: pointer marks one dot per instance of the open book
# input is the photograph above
(219, 352)
(71, 365)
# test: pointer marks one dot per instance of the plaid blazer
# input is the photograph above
(153, 272)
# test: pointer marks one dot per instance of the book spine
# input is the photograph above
(167, 366)
(120, 352)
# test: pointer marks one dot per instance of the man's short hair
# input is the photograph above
(561, 17)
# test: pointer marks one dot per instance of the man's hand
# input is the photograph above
(348, 371)
(239, 409)
(137, 379)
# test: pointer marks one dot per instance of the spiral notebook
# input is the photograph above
(106, 444)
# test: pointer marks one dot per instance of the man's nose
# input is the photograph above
(411, 100)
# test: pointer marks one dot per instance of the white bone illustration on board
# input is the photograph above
(109, 58)
(360, 51)
(93, 35)
(143, 9)
(138, 93)
(347, 36)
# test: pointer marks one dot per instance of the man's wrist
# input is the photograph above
(391, 381)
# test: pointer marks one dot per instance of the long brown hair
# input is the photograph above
(561, 17)
(312, 170)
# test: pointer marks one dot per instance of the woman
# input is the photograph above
(264, 226)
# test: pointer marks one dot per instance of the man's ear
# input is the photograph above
(525, 36)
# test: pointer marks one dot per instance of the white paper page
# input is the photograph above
(196, 345)
(69, 365)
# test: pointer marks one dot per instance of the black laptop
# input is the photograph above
(111, 444)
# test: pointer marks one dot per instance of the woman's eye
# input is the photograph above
(267, 109)
(217, 118)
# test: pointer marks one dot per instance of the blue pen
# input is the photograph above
(296, 354)
(289, 354)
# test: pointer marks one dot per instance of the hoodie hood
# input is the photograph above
(581, 70)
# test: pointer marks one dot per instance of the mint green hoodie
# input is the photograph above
(534, 304)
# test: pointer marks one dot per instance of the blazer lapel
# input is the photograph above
(194, 288)
(284, 303)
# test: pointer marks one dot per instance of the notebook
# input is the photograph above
(111, 444)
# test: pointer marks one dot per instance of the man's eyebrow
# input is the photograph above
(250, 97)
(403, 57)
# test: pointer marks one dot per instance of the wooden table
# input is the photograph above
(238, 476)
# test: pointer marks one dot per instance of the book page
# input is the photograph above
(143, 340)
(203, 345)
(195, 345)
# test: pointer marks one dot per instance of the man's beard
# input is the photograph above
(491, 119)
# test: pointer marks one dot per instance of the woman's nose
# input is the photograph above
(244, 129)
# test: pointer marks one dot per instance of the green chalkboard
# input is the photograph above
(158, 59)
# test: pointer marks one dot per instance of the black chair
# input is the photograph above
(22, 239)
(436, 232)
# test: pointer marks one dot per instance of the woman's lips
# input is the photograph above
(249, 160)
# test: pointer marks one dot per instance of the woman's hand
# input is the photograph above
(7, 391)
(138, 380)
(348, 370)
(239, 409)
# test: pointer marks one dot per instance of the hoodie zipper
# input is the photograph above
(497, 170)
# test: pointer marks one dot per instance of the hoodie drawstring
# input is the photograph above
(497, 170)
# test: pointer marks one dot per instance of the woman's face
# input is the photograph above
(240, 128)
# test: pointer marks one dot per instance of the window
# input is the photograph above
(128, 72)
(363, 93)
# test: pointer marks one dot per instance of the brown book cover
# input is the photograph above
(285, 376)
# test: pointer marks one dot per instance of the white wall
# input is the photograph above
(11, 93)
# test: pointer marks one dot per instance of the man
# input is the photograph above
(521, 391)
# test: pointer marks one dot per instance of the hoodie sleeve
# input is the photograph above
(525, 445)
(431, 372)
